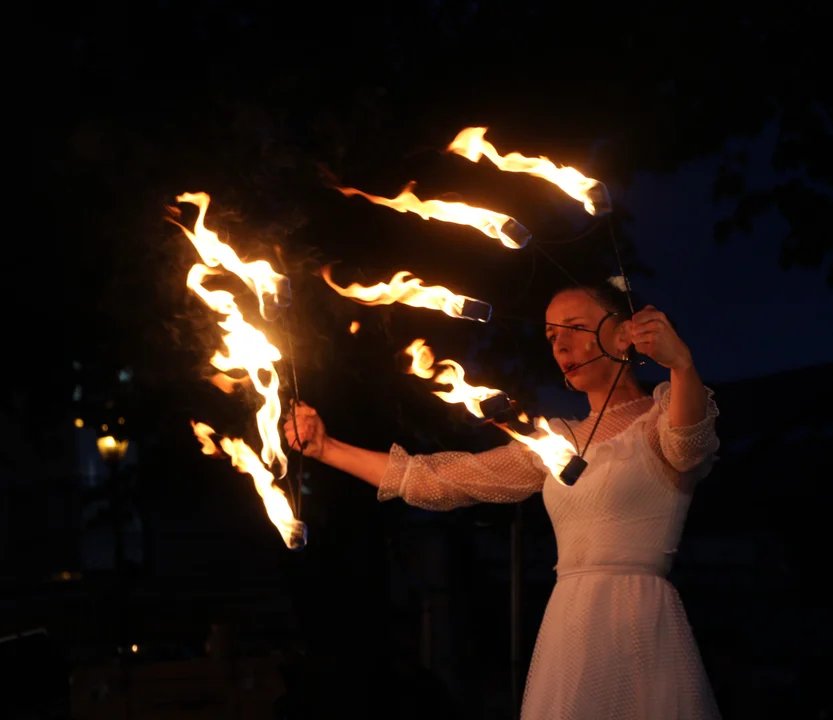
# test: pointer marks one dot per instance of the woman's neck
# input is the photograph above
(627, 390)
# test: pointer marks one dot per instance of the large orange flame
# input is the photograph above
(492, 224)
(246, 461)
(408, 290)
(447, 372)
(553, 448)
(247, 349)
(472, 145)
(271, 288)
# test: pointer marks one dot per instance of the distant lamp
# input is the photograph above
(112, 450)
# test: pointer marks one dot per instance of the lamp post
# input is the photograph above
(113, 451)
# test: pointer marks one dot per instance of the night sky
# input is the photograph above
(742, 314)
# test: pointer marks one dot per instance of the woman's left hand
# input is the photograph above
(652, 335)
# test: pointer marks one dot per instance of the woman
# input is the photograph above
(615, 641)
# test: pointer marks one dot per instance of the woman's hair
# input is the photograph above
(607, 293)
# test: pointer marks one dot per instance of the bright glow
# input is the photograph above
(472, 145)
(489, 222)
(112, 449)
(447, 372)
(554, 449)
(408, 290)
(247, 350)
(247, 461)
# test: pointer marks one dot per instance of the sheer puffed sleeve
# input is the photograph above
(686, 449)
(446, 480)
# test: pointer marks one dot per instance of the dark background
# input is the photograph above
(712, 130)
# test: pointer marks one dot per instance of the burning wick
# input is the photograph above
(248, 351)
(408, 290)
(492, 224)
(496, 406)
(573, 469)
(271, 288)
(556, 452)
(354, 327)
(294, 532)
(472, 145)
(516, 232)
(272, 303)
(448, 372)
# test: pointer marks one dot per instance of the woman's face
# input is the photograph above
(573, 346)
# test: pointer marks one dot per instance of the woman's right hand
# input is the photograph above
(310, 435)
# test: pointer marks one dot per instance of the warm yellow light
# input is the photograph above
(134, 648)
(105, 428)
(79, 423)
(112, 449)
(121, 421)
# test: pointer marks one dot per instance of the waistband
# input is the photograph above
(577, 571)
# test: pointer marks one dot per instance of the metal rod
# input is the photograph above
(515, 609)
(619, 263)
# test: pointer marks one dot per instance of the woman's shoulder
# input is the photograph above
(662, 394)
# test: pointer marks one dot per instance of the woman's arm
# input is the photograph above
(689, 398)
(446, 480)
(440, 481)
(684, 432)
(367, 465)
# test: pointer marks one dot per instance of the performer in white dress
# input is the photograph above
(615, 641)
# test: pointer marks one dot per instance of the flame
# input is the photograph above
(246, 461)
(422, 359)
(489, 222)
(471, 144)
(554, 449)
(226, 383)
(258, 275)
(277, 506)
(447, 372)
(204, 433)
(354, 327)
(249, 350)
(453, 374)
(408, 290)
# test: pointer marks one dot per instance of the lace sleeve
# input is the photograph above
(446, 480)
(685, 449)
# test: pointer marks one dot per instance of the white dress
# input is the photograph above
(615, 641)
